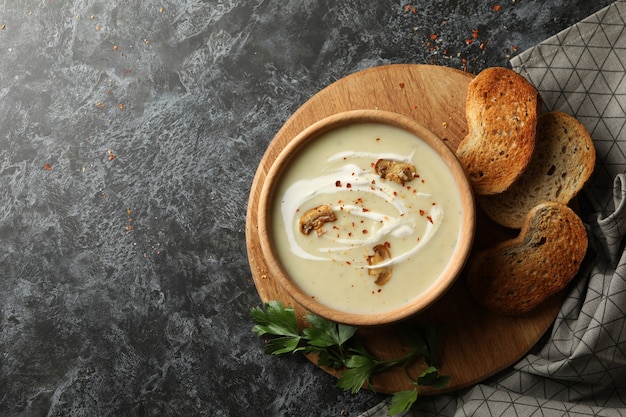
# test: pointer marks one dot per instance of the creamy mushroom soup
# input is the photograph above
(366, 218)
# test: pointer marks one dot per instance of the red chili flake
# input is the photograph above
(468, 41)
(377, 139)
(483, 45)
(337, 183)
(112, 156)
(496, 7)
(430, 219)
(350, 234)
(433, 36)
(414, 10)
(475, 34)
(380, 289)
(387, 245)
(407, 8)
(365, 231)
(348, 185)
(47, 167)
(401, 85)
(349, 263)
(422, 212)
(365, 210)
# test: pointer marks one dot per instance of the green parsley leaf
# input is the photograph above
(281, 345)
(402, 401)
(325, 333)
(281, 324)
(276, 320)
(328, 357)
(431, 377)
(425, 340)
(433, 337)
(360, 370)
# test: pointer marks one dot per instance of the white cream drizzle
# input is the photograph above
(399, 225)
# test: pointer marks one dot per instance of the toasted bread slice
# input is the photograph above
(516, 275)
(563, 161)
(501, 111)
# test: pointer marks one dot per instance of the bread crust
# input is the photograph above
(517, 275)
(501, 112)
(563, 162)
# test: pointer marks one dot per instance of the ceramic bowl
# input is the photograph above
(366, 218)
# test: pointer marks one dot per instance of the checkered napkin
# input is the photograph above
(580, 369)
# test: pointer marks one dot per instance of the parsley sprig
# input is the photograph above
(337, 347)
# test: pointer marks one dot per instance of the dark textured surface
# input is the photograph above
(130, 133)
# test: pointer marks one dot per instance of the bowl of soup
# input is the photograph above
(366, 218)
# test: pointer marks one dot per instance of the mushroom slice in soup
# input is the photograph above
(395, 171)
(315, 218)
(383, 275)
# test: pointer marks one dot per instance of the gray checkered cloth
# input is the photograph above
(580, 369)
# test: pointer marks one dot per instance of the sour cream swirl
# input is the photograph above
(399, 211)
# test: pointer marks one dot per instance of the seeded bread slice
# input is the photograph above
(516, 275)
(501, 112)
(563, 161)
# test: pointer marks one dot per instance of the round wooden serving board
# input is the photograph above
(475, 344)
